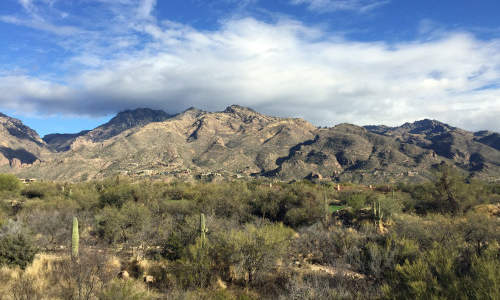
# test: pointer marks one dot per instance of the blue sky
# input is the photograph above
(69, 65)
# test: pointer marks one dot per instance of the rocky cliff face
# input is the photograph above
(19, 145)
(242, 142)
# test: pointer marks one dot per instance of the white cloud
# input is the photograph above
(324, 6)
(283, 68)
(27, 5)
(145, 8)
(40, 24)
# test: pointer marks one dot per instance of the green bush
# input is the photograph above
(117, 195)
(17, 250)
(440, 274)
(257, 249)
(172, 248)
(39, 190)
(194, 270)
(124, 224)
(356, 201)
(9, 182)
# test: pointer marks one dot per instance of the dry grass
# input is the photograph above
(40, 279)
(32, 280)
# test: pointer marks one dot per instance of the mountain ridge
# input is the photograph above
(122, 121)
(241, 142)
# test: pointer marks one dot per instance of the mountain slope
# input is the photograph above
(351, 153)
(461, 147)
(242, 142)
(237, 140)
(19, 144)
(121, 122)
(491, 139)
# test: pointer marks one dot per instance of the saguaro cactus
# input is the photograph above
(326, 208)
(75, 239)
(203, 230)
(377, 212)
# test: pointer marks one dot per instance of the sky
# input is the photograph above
(70, 65)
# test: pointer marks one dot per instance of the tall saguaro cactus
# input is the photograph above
(377, 212)
(75, 239)
(326, 208)
(203, 230)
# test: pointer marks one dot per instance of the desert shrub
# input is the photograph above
(194, 269)
(172, 247)
(126, 290)
(388, 206)
(225, 200)
(17, 250)
(327, 246)
(325, 286)
(355, 200)
(85, 194)
(449, 193)
(117, 195)
(483, 281)
(480, 230)
(50, 227)
(178, 207)
(258, 249)
(126, 224)
(379, 256)
(430, 276)
(109, 225)
(181, 191)
(439, 273)
(9, 182)
(426, 231)
(35, 190)
(303, 216)
(295, 205)
(83, 278)
(271, 204)
(165, 280)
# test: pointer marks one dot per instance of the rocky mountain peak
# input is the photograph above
(427, 126)
(192, 111)
(139, 116)
(127, 119)
(17, 129)
(124, 120)
(237, 109)
(246, 114)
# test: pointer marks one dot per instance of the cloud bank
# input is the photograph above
(282, 68)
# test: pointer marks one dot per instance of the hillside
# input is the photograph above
(121, 122)
(19, 144)
(240, 142)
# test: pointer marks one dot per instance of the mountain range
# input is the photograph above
(240, 142)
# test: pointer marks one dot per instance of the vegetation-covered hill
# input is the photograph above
(239, 142)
